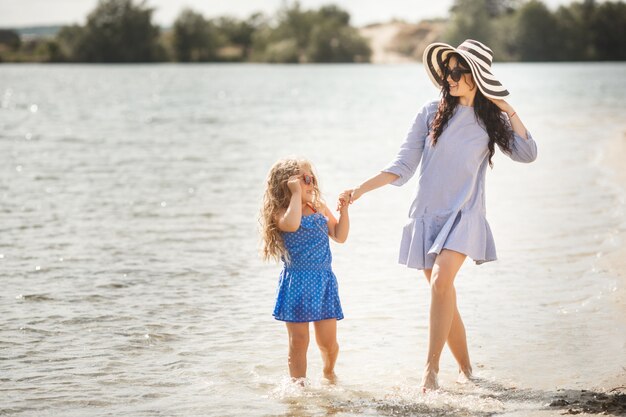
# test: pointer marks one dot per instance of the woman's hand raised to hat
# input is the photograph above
(502, 105)
(516, 122)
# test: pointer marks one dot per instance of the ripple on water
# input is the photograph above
(91, 189)
(115, 285)
(35, 297)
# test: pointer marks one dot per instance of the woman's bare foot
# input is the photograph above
(429, 381)
(465, 375)
(330, 377)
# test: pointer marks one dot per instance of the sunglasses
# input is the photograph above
(455, 73)
(308, 179)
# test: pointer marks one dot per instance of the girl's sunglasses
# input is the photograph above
(456, 73)
(308, 179)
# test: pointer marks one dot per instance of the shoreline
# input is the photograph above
(615, 261)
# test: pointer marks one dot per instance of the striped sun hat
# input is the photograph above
(478, 57)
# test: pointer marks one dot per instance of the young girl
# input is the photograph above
(296, 225)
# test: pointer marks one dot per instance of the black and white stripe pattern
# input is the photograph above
(478, 56)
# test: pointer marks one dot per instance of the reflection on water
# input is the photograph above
(128, 242)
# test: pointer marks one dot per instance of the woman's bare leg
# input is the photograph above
(298, 345)
(326, 336)
(442, 308)
(457, 340)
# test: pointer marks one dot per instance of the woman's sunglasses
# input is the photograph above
(456, 73)
(308, 179)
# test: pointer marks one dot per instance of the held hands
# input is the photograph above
(355, 194)
(348, 197)
(344, 201)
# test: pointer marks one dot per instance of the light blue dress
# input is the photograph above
(307, 287)
(448, 211)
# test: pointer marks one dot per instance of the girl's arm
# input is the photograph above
(338, 229)
(377, 181)
(289, 220)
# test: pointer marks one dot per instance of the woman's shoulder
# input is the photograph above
(427, 112)
(431, 105)
(429, 108)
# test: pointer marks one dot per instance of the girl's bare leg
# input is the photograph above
(298, 345)
(326, 336)
(442, 307)
(457, 340)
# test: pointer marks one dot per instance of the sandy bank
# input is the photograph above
(401, 42)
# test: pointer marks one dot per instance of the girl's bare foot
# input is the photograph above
(299, 381)
(429, 381)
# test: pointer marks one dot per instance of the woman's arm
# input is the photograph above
(517, 125)
(408, 158)
(516, 122)
(523, 148)
(377, 181)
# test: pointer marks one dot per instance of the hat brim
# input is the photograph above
(434, 56)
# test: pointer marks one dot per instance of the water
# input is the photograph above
(128, 242)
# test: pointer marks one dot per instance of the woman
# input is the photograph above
(454, 140)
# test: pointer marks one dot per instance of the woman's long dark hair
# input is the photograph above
(485, 110)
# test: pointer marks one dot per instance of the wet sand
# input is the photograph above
(589, 402)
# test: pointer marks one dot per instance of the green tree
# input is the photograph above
(10, 39)
(119, 31)
(608, 31)
(284, 51)
(239, 34)
(469, 19)
(195, 39)
(337, 44)
(322, 35)
(70, 41)
(537, 33)
(296, 24)
(574, 38)
(333, 40)
(335, 14)
(497, 8)
(49, 51)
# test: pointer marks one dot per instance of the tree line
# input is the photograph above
(517, 30)
(120, 31)
(528, 31)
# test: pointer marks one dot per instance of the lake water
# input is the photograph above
(128, 242)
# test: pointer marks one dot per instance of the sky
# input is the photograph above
(20, 13)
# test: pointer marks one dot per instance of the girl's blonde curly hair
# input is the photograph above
(276, 199)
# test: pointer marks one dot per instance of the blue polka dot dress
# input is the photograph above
(307, 288)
